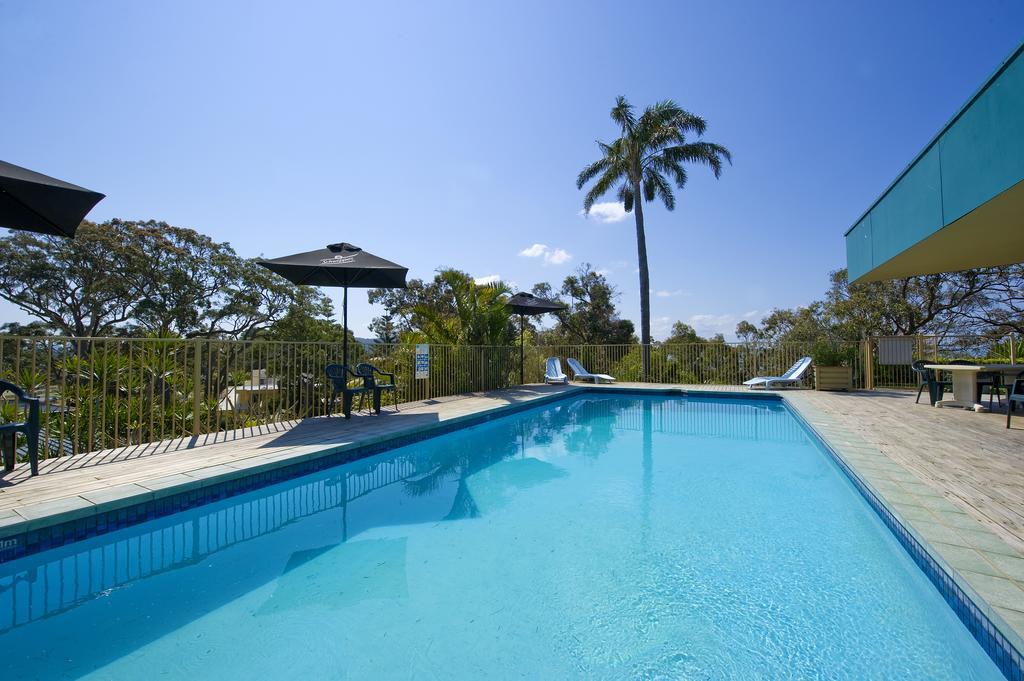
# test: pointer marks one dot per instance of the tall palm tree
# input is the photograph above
(643, 163)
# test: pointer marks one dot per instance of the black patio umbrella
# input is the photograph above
(528, 304)
(38, 203)
(341, 265)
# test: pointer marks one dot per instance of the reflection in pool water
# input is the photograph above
(604, 536)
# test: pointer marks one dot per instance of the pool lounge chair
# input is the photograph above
(553, 371)
(793, 377)
(578, 372)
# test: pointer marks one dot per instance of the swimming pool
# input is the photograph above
(601, 536)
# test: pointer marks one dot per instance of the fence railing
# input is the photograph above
(102, 393)
(895, 372)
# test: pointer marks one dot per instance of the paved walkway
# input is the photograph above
(970, 459)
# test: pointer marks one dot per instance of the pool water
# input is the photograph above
(607, 536)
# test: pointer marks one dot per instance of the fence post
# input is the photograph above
(196, 380)
(869, 366)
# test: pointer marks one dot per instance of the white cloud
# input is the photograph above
(661, 326)
(710, 324)
(607, 211)
(725, 324)
(552, 256)
(489, 279)
(670, 294)
(534, 251)
(557, 256)
(604, 272)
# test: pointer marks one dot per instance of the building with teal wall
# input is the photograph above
(960, 202)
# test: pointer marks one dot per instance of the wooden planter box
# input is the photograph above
(833, 378)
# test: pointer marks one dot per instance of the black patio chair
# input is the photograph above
(993, 382)
(927, 379)
(369, 374)
(338, 375)
(29, 427)
(1015, 395)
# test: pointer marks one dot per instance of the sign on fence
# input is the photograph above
(896, 351)
(422, 360)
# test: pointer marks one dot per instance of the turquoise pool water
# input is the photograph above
(608, 536)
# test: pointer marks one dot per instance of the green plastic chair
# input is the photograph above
(29, 427)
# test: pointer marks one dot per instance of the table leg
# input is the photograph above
(8, 442)
(965, 387)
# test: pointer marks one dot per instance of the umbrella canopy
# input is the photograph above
(528, 304)
(38, 203)
(341, 265)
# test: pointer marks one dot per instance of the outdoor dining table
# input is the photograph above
(965, 382)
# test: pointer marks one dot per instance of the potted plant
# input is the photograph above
(833, 367)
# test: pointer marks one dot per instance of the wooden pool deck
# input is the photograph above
(954, 477)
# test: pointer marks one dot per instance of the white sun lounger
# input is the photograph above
(553, 371)
(578, 372)
(793, 376)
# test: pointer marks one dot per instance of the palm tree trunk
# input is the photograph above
(645, 284)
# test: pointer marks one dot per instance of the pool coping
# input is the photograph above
(996, 636)
(33, 529)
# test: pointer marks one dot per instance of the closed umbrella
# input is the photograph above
(37, 203)
(528, 304)
(341, 265)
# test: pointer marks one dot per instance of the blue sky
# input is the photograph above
(451, 133)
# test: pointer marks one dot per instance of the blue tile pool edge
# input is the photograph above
(992, 633)
(997, 638)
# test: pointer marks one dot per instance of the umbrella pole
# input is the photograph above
(344, 323)
(521, 361)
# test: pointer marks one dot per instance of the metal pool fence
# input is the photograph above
(887, 359)
(103, 393)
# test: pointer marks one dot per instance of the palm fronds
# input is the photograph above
(650, 155)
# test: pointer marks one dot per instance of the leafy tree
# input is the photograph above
(30, 329)
(999, 309)
(644, 163)
(399, 304)
(308, 323)
(937, 304)
(385, 329)
(797, 325)
(591, 317)
(934, 303)
(450, 310)
(143, 278)
(683, 333)
(746, 331)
